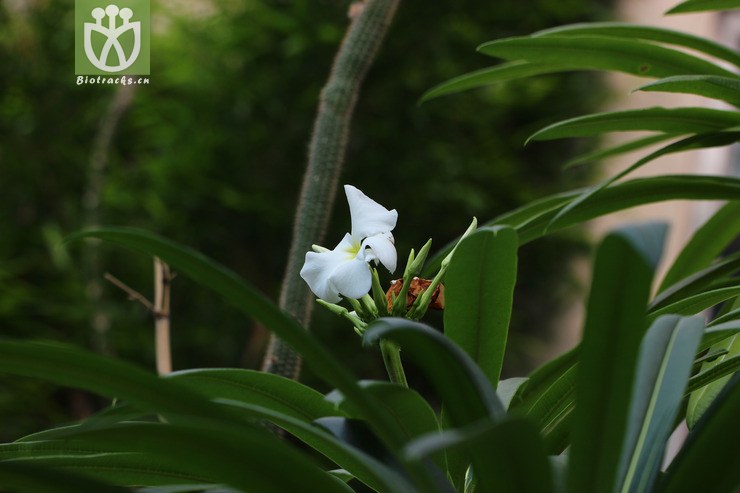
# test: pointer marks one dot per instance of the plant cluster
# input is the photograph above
(595, 419)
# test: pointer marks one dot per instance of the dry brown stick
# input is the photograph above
(131, 292)
(162, 284)
(160, 309)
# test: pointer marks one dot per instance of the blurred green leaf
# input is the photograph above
(721, 369)
(632, 193)
(590, 52)
(74, 367)
(710, 458)
(623, 30)
(698, 302)
(705, 244)
(603, 153)
(703, 5)
(710, 86)
(701, 399)
(614, 326)
(489, 75)
(364, 467)
(672, 121)
(511, 452)
(718, 332)
(531, 221)
(479, 292)
(663, 368)
(24, 477)
(696, 282)
(247, 459)
(414, 415)
(693, 142)
(548, 398)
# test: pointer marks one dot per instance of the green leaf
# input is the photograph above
(730, 316)
(630, 146)
(23, 477)
(706, 244)
(292, 406)
(673, 121)
(254, 387)
(70, 366)
(364, 467)
(248, 459)
(694, 142)
(548, 398)
(531, 221)
(710, 458)
(721, 369)
(479, 292)
(591, 52)
(694, 304)
(462, 386)
(701, 399)
(715, 333)
(632, 193)
(508, 388)
(615, 323)
(508, 456)
(664, 365)
(696, 282)
(413, 414)
(704, 5)
(710, 86)
(487, 76)
(625, 30)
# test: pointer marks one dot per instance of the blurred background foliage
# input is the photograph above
(211, 154)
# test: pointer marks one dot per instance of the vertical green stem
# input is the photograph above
(392, 359)
(370, 21)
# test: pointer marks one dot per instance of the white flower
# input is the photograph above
(345, 271)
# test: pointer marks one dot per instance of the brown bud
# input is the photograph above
(416, 288)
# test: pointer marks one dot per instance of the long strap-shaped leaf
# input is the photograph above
(247, 459)
(672, 121)
(705, 244)
(710, 458)
(531, 221)
(22, 477)
(615, 324)
(632, 31)
(479, 292)
(512, 452)
(709, 86)
(590, 52)
(665, 361)
(703, 5)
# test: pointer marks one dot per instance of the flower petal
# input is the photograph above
(381, 248)
(317, 271)
(340, 271)
(352, 279)
(368, 217)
